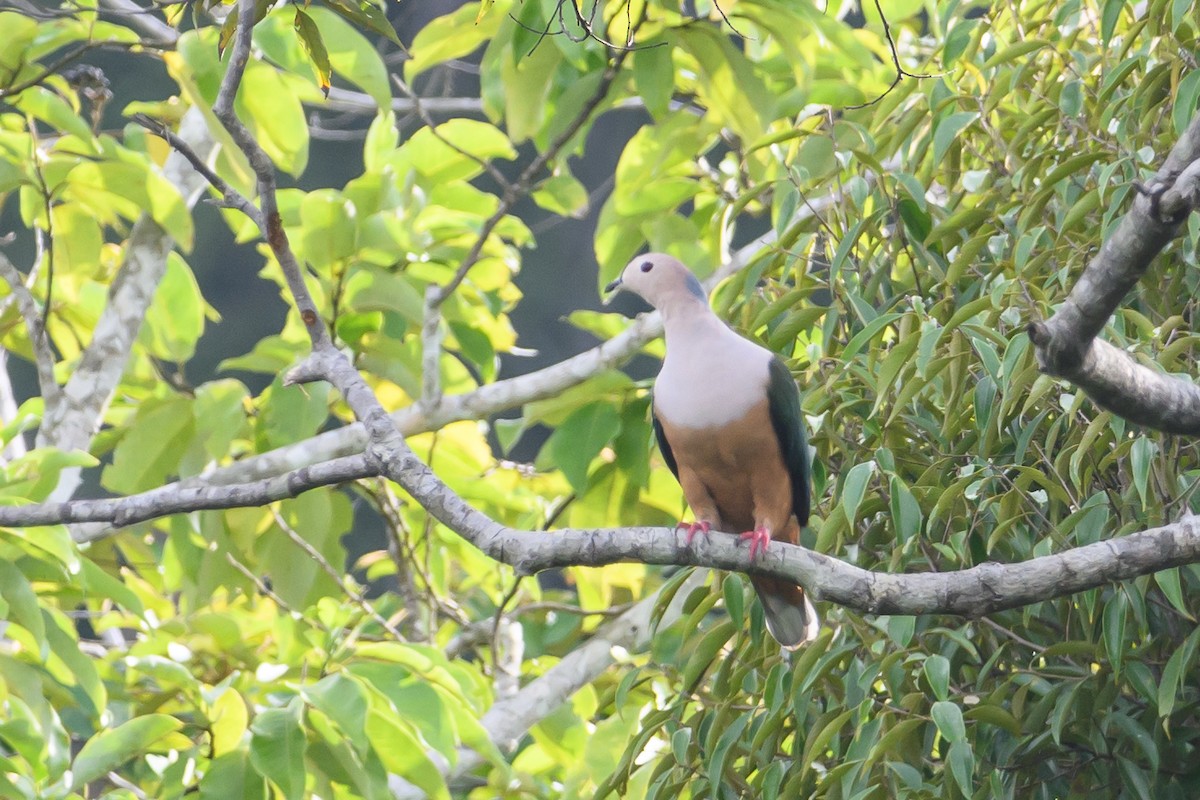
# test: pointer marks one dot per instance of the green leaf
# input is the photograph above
(451, 36)
(402, 752)
(365, 14)
(328, 228)
(1110, 13)
(22, 603)
(962, 765)
(705, 653)
(1169, 581)
(733, 590)
(108, 750)
(99, 583)
(36, 474)
(175, 319)
(47, 106)
(1187, 99)
(314, 45)
(345, 701)
(855, 488)
(52, 540)
(228, 719)
(1114, 628)
(948, 717)
(654, 76)
(352, 56)
(454, 152)
(1140, 737)
(271, 108)
(680, 741)
(562, 194)
(292, 413)
(726, 84)
(937, 672)
(277, 748)
(906, 512)
(948, 129)
(1140, 456)
(580, 438)
(1179, 665)
(230, 777)
(149, 453)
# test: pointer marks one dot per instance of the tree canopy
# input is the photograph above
(360, 559)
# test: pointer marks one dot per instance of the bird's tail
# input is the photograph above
(791, 618)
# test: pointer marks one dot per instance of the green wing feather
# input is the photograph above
(663, 445)
(783, 401)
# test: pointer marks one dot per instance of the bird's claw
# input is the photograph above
(759, 539)
(691, 528)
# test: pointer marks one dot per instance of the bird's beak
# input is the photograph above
(611, 290)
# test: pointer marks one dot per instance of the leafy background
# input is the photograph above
(213, 654)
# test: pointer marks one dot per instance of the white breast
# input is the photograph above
(710, 378)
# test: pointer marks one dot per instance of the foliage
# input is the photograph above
(208, 653)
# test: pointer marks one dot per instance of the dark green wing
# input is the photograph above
(663, 445)
(783, 400)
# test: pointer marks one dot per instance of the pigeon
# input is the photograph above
(728, 422)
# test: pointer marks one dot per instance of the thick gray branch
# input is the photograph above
(1066, 344)
(158, 503)
(71, 423)
(970, 592)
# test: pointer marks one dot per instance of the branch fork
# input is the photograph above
(1067, 345)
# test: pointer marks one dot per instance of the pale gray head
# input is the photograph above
(660, 280)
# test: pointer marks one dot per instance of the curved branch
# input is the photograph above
(121, 511)
(1066, 344)
(971, 592)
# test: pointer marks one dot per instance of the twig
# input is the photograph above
(431, 352)
(567, 608)
(161, 502)
(398, 550)
(530, 173)
(261, 584)
(232, 197)
(417, 106)
(508, 647)
(43, 356)
(271, 224)
(901, 72)
(74, 54)
(355, 596)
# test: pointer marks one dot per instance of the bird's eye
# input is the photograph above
(647, 266)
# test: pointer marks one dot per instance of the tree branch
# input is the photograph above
(528, 175)
(1066, 344)
(71, 424)
(431, 353)
(982, 589)
(478, 404)
(158, 503)
(43, 356)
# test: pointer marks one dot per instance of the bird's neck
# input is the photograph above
(687, 318)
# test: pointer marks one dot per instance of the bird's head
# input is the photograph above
(658, 279)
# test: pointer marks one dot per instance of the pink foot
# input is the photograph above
(759, 539)
(692, 527)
